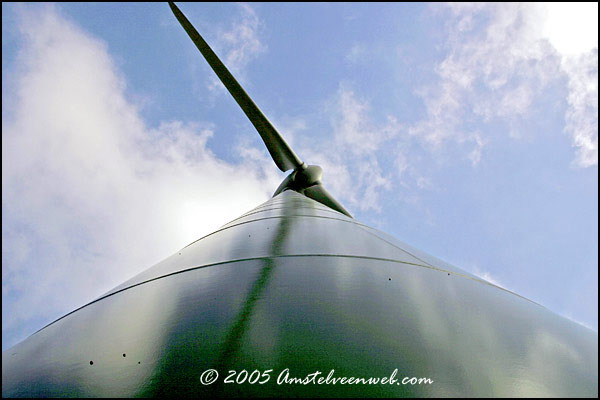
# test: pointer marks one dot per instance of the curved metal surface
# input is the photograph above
(292, 285)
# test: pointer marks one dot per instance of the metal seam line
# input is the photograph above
(274, 217)
(333, 211)
(284, 256)
(279, 208)
(293, 204)
(361, 225)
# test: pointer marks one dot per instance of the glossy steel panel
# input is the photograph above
(253, 236)
(309, 294)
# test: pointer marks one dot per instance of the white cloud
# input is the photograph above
(572, 29)
(582, 114)
(350, 159)
(353, 129)
(241, 40)
(238, 45)
(90, 194)
(487, 73)
(501, 56)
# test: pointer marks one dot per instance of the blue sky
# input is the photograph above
(467, 131)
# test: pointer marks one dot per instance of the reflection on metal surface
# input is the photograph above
(277, 308)
(235, 335)
(297, 284)
(233, 341)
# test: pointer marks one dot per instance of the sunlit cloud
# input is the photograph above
(571, 28)
(582, 114)
(91, 195)
(500, 59)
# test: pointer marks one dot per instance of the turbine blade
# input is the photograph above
(280, 151)
(317, 192)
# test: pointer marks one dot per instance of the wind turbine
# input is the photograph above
(297, 288)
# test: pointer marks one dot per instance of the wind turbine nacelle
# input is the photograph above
(293, 288)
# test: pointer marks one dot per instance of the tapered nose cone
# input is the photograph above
(293, 288)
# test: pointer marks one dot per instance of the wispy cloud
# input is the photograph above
(350, 157)
(582, 115)
(239, 44)
(499, 61)
(357, 53)
(90, 194)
